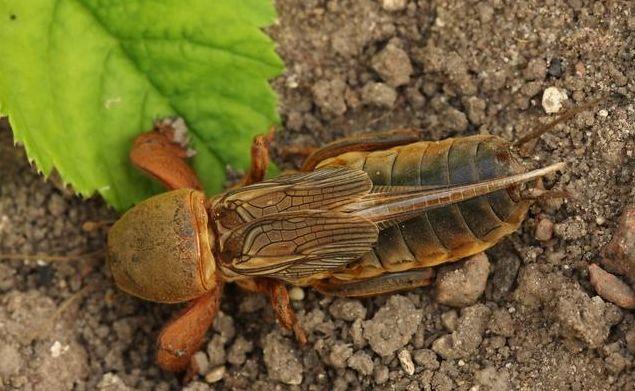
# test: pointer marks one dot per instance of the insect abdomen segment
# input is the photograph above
(447, 233)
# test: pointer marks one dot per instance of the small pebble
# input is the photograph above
(379, 94)
(215, 375)
(381, 374)
(216, 351)
(200, 362)
(449, 320)
(544, 230)
(224, 324)
(112, 382)
(57, 349)
(406, 362)
(619, 253)
(552, 99)
(556, 69)
(461, 284)
(611, 288)
(329, 96)
(392, 326)
(296, 293)
(427, 358)
(536, 69)
(580, 69)
(347, 309)
(394, 5)
(238, 350)
(361, 362)
(603, 113)
(340, 353)
(393, 65)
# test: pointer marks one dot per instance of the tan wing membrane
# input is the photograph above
(323, 189)
(384, 207)
(298, 244)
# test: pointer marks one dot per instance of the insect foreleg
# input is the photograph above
(160, 155)
(183, 336)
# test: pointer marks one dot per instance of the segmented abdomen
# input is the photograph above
(447, 233)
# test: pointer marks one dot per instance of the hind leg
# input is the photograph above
(366, 141)
(373, 286)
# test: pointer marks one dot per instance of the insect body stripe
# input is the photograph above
(477, 213)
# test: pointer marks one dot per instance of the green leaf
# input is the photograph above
(79, 79)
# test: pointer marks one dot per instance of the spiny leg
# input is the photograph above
(259, 159)
(183, 336)
(279, 298)
(366, 141)
(385, 283)
(162, 154)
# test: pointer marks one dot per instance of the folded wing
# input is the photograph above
(297, 244)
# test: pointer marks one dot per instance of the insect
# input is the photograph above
(365, 215)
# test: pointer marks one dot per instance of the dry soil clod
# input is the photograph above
(611, 288)
(620, 252)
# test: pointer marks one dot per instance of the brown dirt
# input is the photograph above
(449, 68)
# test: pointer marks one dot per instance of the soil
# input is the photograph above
(449, 68)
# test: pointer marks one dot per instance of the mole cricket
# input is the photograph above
(365, 215)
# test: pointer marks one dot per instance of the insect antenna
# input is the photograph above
(50, 258)
(567, 115)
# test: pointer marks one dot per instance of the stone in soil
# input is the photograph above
(393, 65)
(426, 358)
(468, 336)
(405, 359)
(361, 362)
(392, 326)
(611, 288)
(544, 229)
(461, 284)
(379, 94)
(584, 318)
(200, 362)
(347, 309)
(536, 69)
(501, 323)
(494, 379)
(216, 374)
(238, 351)
(281, 359)
(340, 352)
(449, 320)
(224, 324)
(394, 5)
(112, 382)
(381, 374)
(216, 351)
(503, 276)
(619, 253)
(552, 99)
(329, 96)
